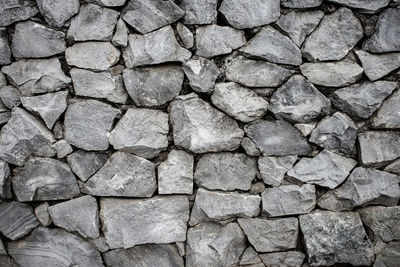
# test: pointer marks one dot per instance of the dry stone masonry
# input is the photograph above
(199, 133)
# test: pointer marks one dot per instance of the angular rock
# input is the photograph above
(334, 37)
(300, 24)
(185, 35)
(126, 222)
(142, 132)
(120, 37)
(42, 214)
(54, 247)
(16, 10)
(332, 74)
(386, 35)
(301, 3)
(214, 40)
(100, 244)
(200, 128)
(63, 148)
(16, 219)
(85, 164)
(225, 171)
(5, 51)
(337, 133)
(326, 169)
(57, 12)
(123, 175)
(79, 214)
(273, 169)
(202, 74)
(211, 244)
(24, 135)
(250, 147)
(199, 11)
(242, 15)
(10, 96)
(88, 123)
(3, 81)
(249, 256)
(277, 138)
(362, 100)
(299, 101)
(175, 175)
(389, 257)
(379, 147)
(387, 115)
(37, 76)
(34, 40)
(4, 117)
(271, 235)
(142, 51)
(393, 167)
(230, 205)
(362, 6)
(5, 180)
(49, 106)
(239, 102)
(341, 238)
(153, 86)
(110, 3)
(283, 259)
(271, 45)
(306, 128)
(378, 66)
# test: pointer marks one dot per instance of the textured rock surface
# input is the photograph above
(57, 12)
(273, 169)
(368, 7)
(5, 180)
(199, 11)
(120, 37)
(379, 147)
(5, 51)
(301, 3)
(16, 10)
(249, 256)
(85, 164)
(42, 214)
(185, 35)
(10, 96)
(387, 115)
(283, 259)
(377, 66)
(389, 256)
(202, 74)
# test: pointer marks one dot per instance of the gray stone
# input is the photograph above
(100, 244)
(363, 187)
(202, 74)
(10, 96)
(306, 128)
(165, 255)
(283, 259)
(326, 169)
(301, 3)
(153, 86)
(24, 135)
(63, 148)
(218, 206)
(142, 51)
(16, 10)
(199, 11)
(42, 214)
(98, 85)
(130, 222)
(379, 147)
(123, 175)
(389, 257)
(185, 35)
(363, 6)
(5, 51)
(16, 220)
(85, 164)
(249, 256)
(239, 102)
(225, 171)
(271, 235)
(120, 37)
(93, 23)
(250, 14)
(255, 73)
(57, 12)
(299, 101)
(54, 247)
(273, 169)
(142, 132)
(378, 66)
(49, 106)
(386, 35)
(37, 76)
(214, 40)
(211, 244)
(3, 81)
(5, 180)
(181, 248)
(250, 148)
(332, 74)
(88, 123)
(362, 100)
(300, 24)
(34, 40)
(79, 214)
(341, 238)
(149, 15)
(200, 128)
(4, 117)
(277, 138)
(110, 3)
(175, 174)
(393, 167)
(337, 133)
(271, 45)
(387, 115)
(334, 37)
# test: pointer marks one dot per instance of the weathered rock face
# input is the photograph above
(109, 3)
(85, 164)
(5, 51)
(389, 255)
(42, 214)
(379, 147)
(5, 180)
(10, 96)
(368, 7)
(202, 74)
(185, 35)
(199, 11)
(57, 12)
(120, 37)
(284, 259)
(377, 66)
(386, 117)
(273, 169)
(301, 3)
(16, 10)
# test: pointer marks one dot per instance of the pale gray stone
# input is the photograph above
(273, 169)
(379, 147)
(185, 35)
(249, 256)
(5, 180)
(341, 238)
(54, 247)
(199, 11)
(306, 128)
(394, 167)
(100, 244)
(250, 148)
(389, 257)
(378, 66)
(109, 3)
(175, 174)
(5, 51)
(123, 175)
(4, 117)
(57, 12)
(332, 74)
(283, 259)
(42, 214)
(85, 164)
(120, 37)
(142, 51)
(202, 74)
(16, 10)
(130, 222)
(181, 248)
(271, 235)
(37, 76)
(301, 3)
(326, 169)
(200, 128)
(387, 116)
(63, 148)
(277, 138)
(239, 102)
(363, 6)
(10, 96)
(214, 40)
(211, 244)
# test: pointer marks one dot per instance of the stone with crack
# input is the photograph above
(185, 35)
(84, 164)
(273, 169)
(249, 257)
(387, 116)
(202, 74)
(58, 12)
(10, 96)
(283, 259)
(199, 11)
(378, 66)
(379, 147)
(16, 10)
(5, 51)
(389, 256)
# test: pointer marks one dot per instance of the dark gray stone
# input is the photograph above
(58, 12)
(199, 11)
(389, 257)
(202, 74)
(283, 259)
(301, 3)
(5, 51)
(378, 66)
(16, 10)
(109, 3)
(363, 6)
(85, 164)
(250, 148)
(10, 96)
(5, 180)
(379, 147)
(273, 169)
(387, 115)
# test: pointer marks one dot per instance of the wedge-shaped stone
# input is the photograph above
(120, 37)
(16, 10)
(273, 169)
(185, 35)
(393, 167)
(199, 11)
(387, 115)
(283, 259)
(85, 164)
(201, 73)
(42, 214)
(379, 147)
(301, 3)
(363, 6)
(57, 12)
(378, 66)
(130, 222)
(10, 96)
(249, 257)
(123, 175)
(5, 51)
(5, 180)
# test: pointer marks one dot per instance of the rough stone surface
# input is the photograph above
(85, 164)
(379, 147)
(387, 116)
(362, 6)
(120, 37)
(57, 12)
(185, 35)
(249, 256)
(16, 10)
(10, 96)
(393, 167)
(378, 66)
(109, 3)
(5, 51)
(199, 11)
(250, 148)
(389, 257)
(42, 214)
(283, 259)
(202, 74)
(63, 148)
(301, 3)
(5, 180)
(273, 169)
